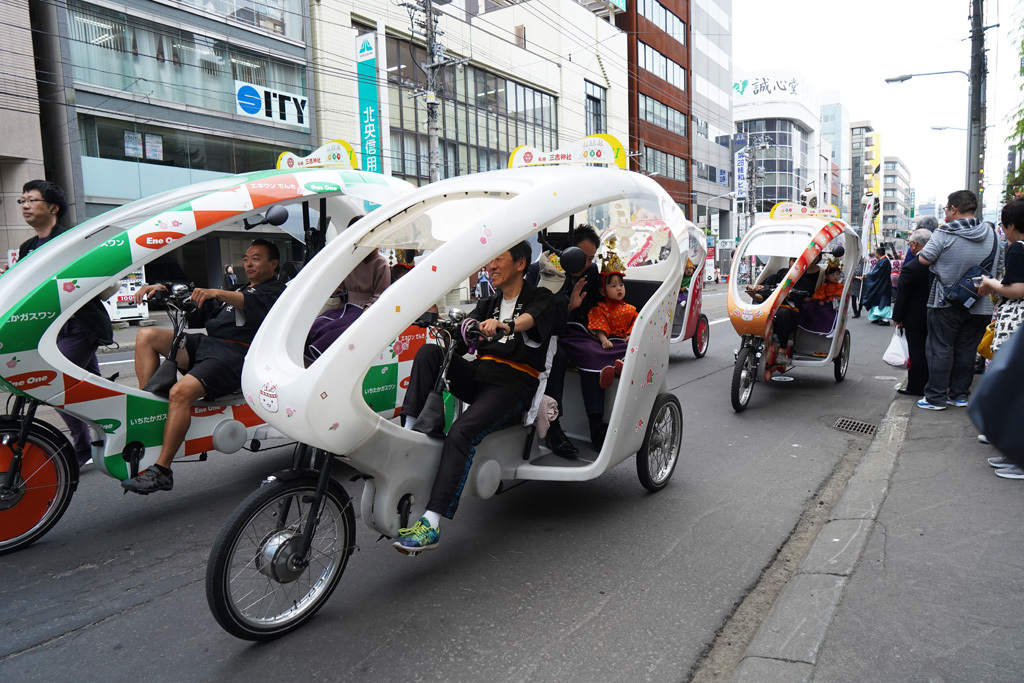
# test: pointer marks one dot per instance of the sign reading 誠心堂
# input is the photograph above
(271, 106)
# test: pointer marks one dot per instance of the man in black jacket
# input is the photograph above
(213, 361)
(910, 313)
(42, 205)
(499, 384)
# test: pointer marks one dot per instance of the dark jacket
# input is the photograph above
(878, 285)
(92, 318)
(911, 305)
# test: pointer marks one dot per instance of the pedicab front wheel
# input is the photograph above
(843, 361)
(744, 374)
(43, 487)
(258, 584)
(656, 460)
(701, 336)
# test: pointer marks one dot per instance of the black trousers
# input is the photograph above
(855, 303)
(491, 407)
(784, 325)
(917, 374)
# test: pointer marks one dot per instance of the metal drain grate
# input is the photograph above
(857, 427)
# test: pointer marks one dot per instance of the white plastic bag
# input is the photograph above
(897, 354)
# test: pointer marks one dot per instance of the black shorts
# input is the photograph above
(217, 377)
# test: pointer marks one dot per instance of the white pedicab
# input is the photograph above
(282, 553)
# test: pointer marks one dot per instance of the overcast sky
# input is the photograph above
(850, 48)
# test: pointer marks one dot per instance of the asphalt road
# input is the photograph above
(548, 582)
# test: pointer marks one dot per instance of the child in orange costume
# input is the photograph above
(831, 288)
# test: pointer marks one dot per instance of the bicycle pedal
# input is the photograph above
(407, 551)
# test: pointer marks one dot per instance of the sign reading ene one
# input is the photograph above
(271, 106)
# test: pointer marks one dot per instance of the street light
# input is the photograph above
(975, 119)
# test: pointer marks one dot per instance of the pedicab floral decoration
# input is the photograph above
(71, 285)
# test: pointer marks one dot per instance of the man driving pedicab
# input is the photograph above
(212, 363)
(499, 384)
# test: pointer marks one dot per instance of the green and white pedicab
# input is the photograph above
(38, 468)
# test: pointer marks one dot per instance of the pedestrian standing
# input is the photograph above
(43, 204)
(856, 286)
(878, 289)
(954, 331)
(910, 313)
(230, 279)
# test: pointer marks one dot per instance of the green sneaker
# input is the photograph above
(417, 539)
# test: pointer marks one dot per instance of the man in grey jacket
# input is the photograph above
(954, 331)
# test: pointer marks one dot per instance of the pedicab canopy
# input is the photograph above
(41, 292)
(458, 225)
(790, 230)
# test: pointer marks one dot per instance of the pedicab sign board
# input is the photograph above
(593, 149)
(334, 153)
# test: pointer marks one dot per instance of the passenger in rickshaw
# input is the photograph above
(357, 292)
(786, 317)
(759, 292)
(822, 318)
(598, 350)
(499, 384)
(684, 286)
(577, 293)
(212, 363)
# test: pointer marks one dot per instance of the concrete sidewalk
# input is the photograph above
(916, 576)
(124, 334)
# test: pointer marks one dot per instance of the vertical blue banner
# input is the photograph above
(369, 102)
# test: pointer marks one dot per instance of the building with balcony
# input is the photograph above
(897, 203)
(866, 176)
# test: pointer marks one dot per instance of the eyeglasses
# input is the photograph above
(22, 202)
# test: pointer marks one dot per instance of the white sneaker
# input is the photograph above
(1013, 472)
(984, 439)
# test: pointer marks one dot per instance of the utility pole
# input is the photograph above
(436, 60)
(979, 72)
(433, 50)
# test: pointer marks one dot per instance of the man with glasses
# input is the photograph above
(953, 330)
(42, 204)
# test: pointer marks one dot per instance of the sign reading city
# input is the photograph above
(271, 106)
(369, 102)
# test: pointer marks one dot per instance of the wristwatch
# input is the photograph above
(511, 326)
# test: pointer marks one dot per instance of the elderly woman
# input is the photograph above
(910, 313)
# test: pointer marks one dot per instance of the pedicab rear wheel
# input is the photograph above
(842, 362)
(42, 490)
(656, 460)
(257, 585)
(744, 374)
(701, 336)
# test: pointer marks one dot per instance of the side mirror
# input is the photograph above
(838, 252)
(573, 260)
(277, 215)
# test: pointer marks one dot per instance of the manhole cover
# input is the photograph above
(856, 426)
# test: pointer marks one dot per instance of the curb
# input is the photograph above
(786, 645)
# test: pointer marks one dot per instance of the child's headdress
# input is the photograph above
(611, 263)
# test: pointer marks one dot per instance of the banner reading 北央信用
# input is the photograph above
(369, 102)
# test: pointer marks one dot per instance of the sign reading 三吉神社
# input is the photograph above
(271, 106)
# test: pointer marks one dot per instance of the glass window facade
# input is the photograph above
(661, 66)
(715, 12)
(280, 17)
(664, 164)
(596, 109)
(653, 111)
(709, 131)
(708, 47)
(485, 117)
(783, 160)
(663, 18)
(113, 50)
(129, 141)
